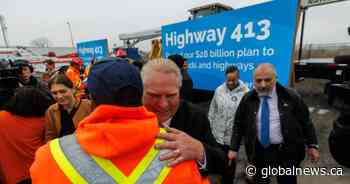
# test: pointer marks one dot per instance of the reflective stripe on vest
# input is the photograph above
(79, 167)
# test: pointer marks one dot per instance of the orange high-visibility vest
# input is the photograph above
(74, 75)
(82, 168)
(117, 138)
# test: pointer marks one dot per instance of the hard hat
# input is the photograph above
(77, 60)
(121, 53)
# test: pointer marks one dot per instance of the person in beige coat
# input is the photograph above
(63, 117)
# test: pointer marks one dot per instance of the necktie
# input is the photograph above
(265, 123)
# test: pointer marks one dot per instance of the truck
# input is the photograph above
(336, 70)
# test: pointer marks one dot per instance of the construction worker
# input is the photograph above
(120, 53)
(73, 73)
(50, 67)
(88, 69)
(115, 143)
(156, 50)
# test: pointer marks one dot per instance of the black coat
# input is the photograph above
(190, 119)
(187, 86)
(339, 139)
(34, 82)
(296, 126)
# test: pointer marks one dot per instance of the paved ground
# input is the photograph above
(323, 116)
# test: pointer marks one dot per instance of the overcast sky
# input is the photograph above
(30, 19)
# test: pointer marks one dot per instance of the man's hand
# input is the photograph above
(183, 147)
(231, 155)
(314, 154)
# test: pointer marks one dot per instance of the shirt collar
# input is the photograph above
(166, 123)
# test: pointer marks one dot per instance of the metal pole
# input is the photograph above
(71, 34)
(4, 30)
(302, 33)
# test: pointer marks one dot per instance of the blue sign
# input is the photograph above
(243, 37)
(92, 49)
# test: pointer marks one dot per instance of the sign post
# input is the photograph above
(243, 37)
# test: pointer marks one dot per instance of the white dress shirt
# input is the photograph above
(275, 123)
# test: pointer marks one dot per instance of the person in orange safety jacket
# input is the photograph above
(114, 144)
(73, 73)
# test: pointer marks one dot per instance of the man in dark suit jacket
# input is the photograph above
(190, 135)
(275, 125)
(187, 83)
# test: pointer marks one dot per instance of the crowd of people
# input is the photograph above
(121, 122)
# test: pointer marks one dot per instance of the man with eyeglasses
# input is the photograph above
(275, 125)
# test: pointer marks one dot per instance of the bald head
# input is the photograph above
(265, 78)
(265, 68)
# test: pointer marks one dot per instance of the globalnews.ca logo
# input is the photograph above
(296, 171)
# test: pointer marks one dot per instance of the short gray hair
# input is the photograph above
(161, 65)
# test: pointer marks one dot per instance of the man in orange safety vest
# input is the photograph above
(73, 73)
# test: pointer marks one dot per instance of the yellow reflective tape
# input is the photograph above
(163, 174)
(62, 162)
(166, 170)
(142, 166)
(119, 176)
(161, 130)
(146, 161)
(111, 170)
(78, 84)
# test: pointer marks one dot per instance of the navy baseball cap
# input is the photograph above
(108, 75)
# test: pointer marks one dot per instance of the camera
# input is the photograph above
(8, 79)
